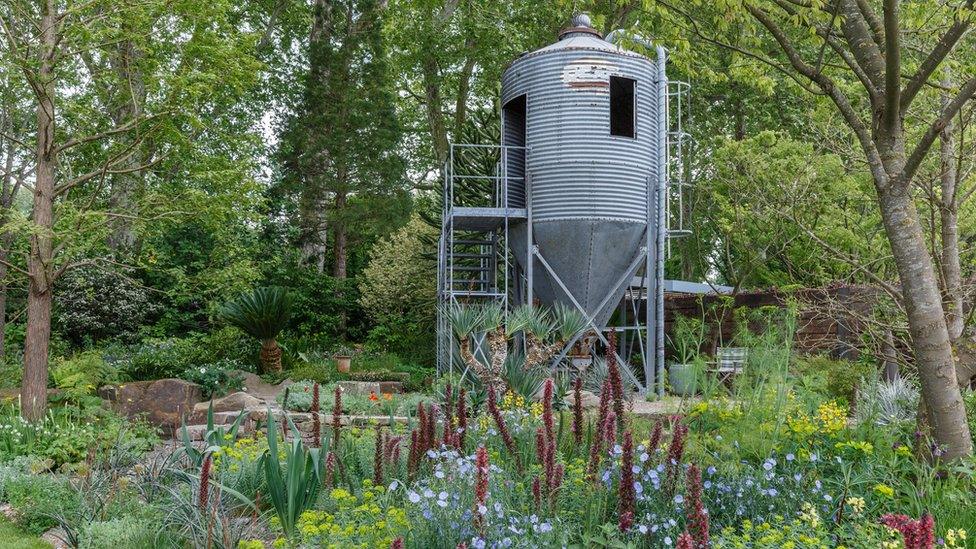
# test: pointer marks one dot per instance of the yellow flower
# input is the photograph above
(810, 515)
(884, 490)
(955, 538)
(536, 409)
(832, 417)
(856, 505)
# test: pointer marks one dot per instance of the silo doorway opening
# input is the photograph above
(513, 139)
(622, 106)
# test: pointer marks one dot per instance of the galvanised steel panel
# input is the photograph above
(579, 170)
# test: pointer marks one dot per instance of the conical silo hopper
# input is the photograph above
(587, 112)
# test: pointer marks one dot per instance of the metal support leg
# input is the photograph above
(589, 318)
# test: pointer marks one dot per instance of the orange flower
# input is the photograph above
(372, 396)
(387, 396)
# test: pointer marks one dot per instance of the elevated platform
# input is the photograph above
(484, 219)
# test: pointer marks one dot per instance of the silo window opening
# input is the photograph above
(622, 95)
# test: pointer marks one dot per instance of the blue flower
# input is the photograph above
(414, 497)
(679, 499)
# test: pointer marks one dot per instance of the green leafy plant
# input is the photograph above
(216, 379)
(569, 322)
(293, 485)
(686, 338)
(535, 321)
(464, 320)
(215, 437)
(526, 382)
(81, 374)
(263, 314)
(37, 499)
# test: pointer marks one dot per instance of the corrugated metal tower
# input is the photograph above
(581, 192)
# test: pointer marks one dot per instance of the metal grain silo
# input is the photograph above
(591, 118)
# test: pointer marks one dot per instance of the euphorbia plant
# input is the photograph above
(263, 314)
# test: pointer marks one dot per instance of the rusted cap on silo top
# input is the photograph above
(579, 24)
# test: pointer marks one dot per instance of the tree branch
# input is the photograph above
(830, 88)
(966, 93)
(877, 30)
(859, 37)
(935, 58)
(892, 114)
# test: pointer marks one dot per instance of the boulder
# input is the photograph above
(588, 399)
(234, 402)
(391, 387)
(162, 402)
(255, 386)
(360, 388)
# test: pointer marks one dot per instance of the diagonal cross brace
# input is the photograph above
(589, 318)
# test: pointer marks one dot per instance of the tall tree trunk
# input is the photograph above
(125, 187)
(312, 227)
(340, 248)
(949, 228)
(926, 322)
(435, 116)
(33, 393)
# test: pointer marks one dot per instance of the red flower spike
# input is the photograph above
(685, 541)
(697, 517)
(578, 410)
(627, 498)
(480, 487)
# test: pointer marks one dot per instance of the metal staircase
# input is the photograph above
(473, 252)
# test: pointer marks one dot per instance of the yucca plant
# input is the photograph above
(263, 314)
(531, 320)
(464, 320)
(294, 485)
(569, 322)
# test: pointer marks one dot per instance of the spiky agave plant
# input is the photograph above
(262, 314)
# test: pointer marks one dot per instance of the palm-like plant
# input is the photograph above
(262, 314)
(569, 322)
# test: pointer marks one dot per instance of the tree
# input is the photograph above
(262, 314)
(398, 289)
(448, 60)
(15, 169)
(339, 145)
(56, 48)
(878, 74)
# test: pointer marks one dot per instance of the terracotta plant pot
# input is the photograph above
(343, 363)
